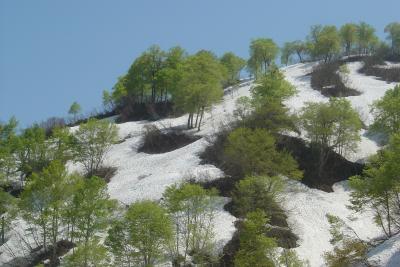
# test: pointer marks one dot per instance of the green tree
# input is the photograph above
(378, 188)
(88, 213)
(348, 36)
(32, 151)
(108, 101)
(263, 53)
(43, 203)
(257, 192)
(92, 254)
(143, 79)
(234, 65)
(74, 110)
(93, 141)
(323, 42)
(256, 249)
(289, 258)
(255, 152)
(366, 38)
(387, 112)
(8, 142)
(272, 87)
(286, 53)
(192, 209)
(393, 31)
(150, 230)
(200, 86)
(7, 213)
(332, 126)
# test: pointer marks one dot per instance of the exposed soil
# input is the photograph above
(386, 74)
(156, 141)
(325, 78)
(39, 256)
(337, 168)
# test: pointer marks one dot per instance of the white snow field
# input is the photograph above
(145, 176)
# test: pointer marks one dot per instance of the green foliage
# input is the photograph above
(43, 202)
(255, 152)
(150, 230)
(108, 101)
(8, 147)
(387, 112)
(32, 151)
(262, 55)
(233, 65)
(272, 87)
(323, 42)
(75, 109)
(289, 258)
(92, 254)
(93, 140)
(256, 249)
(348, 36)
(379, 187)
(393, 31)
(367, 40)
(142, 236)
(200, 86)
(88, 210)
(192, 209)
(349, 254)
(331, 126)
(8, 212)
(257, 192)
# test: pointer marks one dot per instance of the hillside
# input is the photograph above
(145, 176)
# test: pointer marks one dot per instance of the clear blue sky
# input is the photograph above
(55, 52)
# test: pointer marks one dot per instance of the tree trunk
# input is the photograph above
(201, 118)
(3, 226)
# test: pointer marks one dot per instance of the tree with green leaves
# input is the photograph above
(286, 53)
(200, 86)
(87, 215)
(263, 53)
(8, 210)
(272, 86)
(256, 249)
(143, 235)
(33, 152)
(92, 254)
(393, 31)
(233, 65)
(348, 37)
(378, 188)
(93, 141)
(331, 126)
(257, 192)
(192, 209)
(387, 112)
(324, 42)
(75, 109)
(108, 101)
(366, 37)
(348, 249)
(43, 203)
(256, 154)
(8, 146)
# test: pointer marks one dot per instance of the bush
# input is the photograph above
(93, 141)
(255, 152)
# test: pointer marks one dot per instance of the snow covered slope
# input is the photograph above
(307, 208)
(145, 176)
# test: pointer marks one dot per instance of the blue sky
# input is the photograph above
(55, 52)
